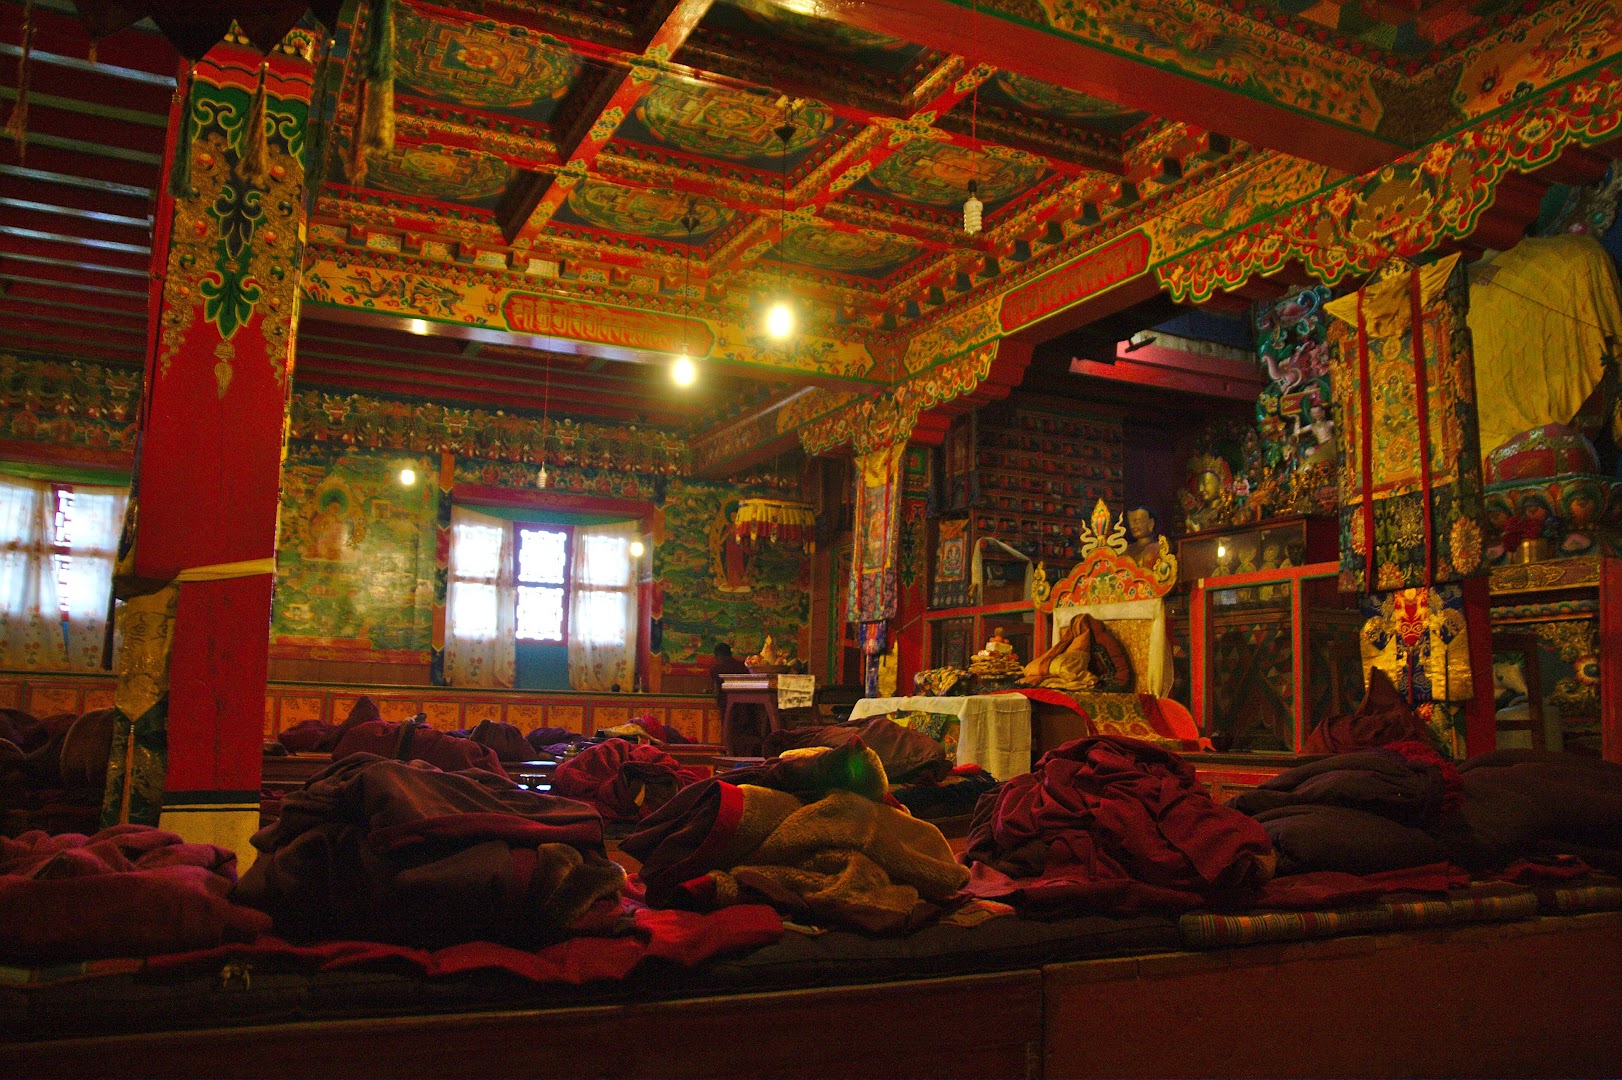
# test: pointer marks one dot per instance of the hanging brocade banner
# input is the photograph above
(1410, 475)
(776, 521)
(878, 527)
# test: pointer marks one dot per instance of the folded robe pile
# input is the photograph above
(624, 781)
(416, 742)
(1112, 824)
(1403, 806)
(813, 834)
(1361, 813)
(398, 851)
(130, 890)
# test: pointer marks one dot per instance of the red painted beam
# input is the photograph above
(337, 376)
(100, 85)
(81, 164)
(94, 259)
(54, 189)
(1167, 378)
(523, 380)
(47, 282)
(55, 345)
(79, 328)
(64, 34)
(1004, 43)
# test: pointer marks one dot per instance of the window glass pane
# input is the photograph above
(478, 551)
(540, 556)
(600, 617)
(607, 561)
(473, 610)
(540, 613)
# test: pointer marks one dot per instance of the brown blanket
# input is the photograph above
(381, 850)
(811, 835)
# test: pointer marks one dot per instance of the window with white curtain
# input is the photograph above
(543, 584)
(57, 546)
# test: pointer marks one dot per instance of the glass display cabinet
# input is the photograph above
(1277, 651)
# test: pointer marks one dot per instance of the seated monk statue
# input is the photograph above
(1067, 665)
(1086, 657)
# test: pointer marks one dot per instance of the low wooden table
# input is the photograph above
(741, 696)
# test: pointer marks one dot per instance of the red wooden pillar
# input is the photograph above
(227, 257)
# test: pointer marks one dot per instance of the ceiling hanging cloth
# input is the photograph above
(1402, 375)
(374, 127)
(778, 521)
(17, 123)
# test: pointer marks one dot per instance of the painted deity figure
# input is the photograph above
(1321, 449)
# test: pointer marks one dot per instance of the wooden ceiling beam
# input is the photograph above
(61, 314)
(339, 377)
(33, 289)
(75, 163)
(1158, 377)
(61, 249)
(1159, 88)
(669, 24)
(55, 344)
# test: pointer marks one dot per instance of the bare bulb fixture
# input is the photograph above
(972, 209)
(684, 372)
(408, 477)
(540, 477)
(637, 549)
(780, 321)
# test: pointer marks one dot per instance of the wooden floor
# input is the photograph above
(1541, 997)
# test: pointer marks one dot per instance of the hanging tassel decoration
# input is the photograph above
(180, 169)
(17, 125)
(374, 128)
(90, 53)
(255, 143)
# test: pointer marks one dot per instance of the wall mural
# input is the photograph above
(938, 174)
(482, 63)
(68, 403)
(712, 593)
(844, 252)
(641, 211)
(355, 557)
(716, 122)
(356, 566)
(446, 173)
(501, 436)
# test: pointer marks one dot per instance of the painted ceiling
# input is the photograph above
(562, 142)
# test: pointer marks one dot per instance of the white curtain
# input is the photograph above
(481, 602)
(56, 572)
(602, 610)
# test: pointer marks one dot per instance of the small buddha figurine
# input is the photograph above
(1144, 547)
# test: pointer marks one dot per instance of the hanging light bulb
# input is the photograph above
(684, 372)
(780, 321)
(972, 208)
(408, 476)
(780, 315)
(540, 477)
(637, 548)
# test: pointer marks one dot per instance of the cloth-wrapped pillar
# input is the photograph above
(227, 261)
